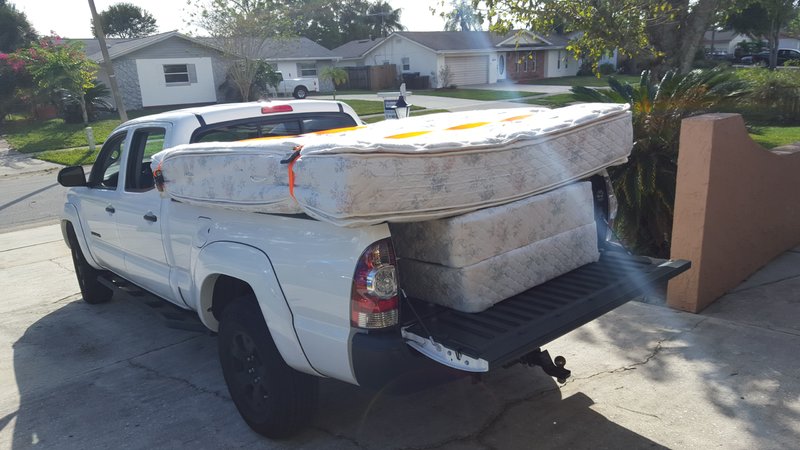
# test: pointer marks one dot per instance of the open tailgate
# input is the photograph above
(477, 342)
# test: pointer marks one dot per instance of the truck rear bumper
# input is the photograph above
(381, 358)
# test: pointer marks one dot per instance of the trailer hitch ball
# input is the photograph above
(554, 368)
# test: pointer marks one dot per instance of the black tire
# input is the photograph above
(300, 92)
(275, 400)
(93, 292)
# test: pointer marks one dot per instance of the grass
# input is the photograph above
(552, 101)
(477, 94)
(771, 137)
(584, 80)
(28, 136)
(80, 156)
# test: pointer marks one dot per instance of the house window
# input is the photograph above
(406, 64)
(517, 62)
(307, 69)
(558, 63)
(179, 74)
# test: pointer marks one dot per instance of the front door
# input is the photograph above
(98, 206)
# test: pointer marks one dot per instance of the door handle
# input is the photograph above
(150, 217)
(110, 209)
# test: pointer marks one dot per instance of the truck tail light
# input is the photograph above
(374, 300)
(271, 109)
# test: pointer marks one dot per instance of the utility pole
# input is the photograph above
(112, 77)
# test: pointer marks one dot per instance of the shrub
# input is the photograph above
(774, 95)
(606, 69)
(645, 186)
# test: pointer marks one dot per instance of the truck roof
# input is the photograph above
(233, 111)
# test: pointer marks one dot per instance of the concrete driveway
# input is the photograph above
(77, 376)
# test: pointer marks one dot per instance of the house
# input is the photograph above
(175, 69)
(472, 57)
(726, 41)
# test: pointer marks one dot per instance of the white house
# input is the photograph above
(175, 69)
(472, 57)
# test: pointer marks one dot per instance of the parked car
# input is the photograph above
(296, 87)
(784, 54)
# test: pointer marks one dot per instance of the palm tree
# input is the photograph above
(645, 186)
(383, 19)
(336, 75)
(463, 17)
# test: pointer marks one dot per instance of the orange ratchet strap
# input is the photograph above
(290, 161)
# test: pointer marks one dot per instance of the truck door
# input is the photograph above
(138, 213)
(98, 205)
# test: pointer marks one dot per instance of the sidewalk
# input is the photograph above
(644, 376)
(13, 163)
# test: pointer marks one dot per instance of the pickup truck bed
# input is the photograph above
(509, 330)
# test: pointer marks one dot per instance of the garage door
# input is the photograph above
(468, 70)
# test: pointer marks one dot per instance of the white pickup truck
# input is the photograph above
(296, 87)
(294, 299)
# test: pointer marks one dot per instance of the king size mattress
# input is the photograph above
(470, 238)
(478, 286)
(405, 170)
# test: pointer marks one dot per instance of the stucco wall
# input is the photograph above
(737, 207)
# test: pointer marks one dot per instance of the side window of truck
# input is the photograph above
(144, 144)
(105, 171)
(327, 123)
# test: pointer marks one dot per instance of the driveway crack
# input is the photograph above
(179, 380)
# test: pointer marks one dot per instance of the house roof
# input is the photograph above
(720, 36)
(357, 48)
(290, 48)
(455, 41)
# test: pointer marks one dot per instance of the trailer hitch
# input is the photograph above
(554, 368)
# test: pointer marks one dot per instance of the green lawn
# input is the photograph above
(477, 94)
(585, 80)
(551, 101)
(771, 137)
(28, 136)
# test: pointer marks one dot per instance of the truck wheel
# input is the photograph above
(300, 92)
(93, 292)
(274, 399)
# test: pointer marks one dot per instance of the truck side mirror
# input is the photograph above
(72, 176)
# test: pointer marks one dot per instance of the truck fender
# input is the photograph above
(252, 266)
(70, 216)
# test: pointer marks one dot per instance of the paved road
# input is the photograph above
(29, 199)
(77, 376)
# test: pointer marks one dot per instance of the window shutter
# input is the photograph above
(192, 73)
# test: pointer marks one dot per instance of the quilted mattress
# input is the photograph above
(478, 286)
(470, 238)
(404, 171)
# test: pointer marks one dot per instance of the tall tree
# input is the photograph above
(331, 23)
(764, 19)
(463, 17)
(383, 19)
(668, 32)
(126, 20)
(15, 30)
(241, 29)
